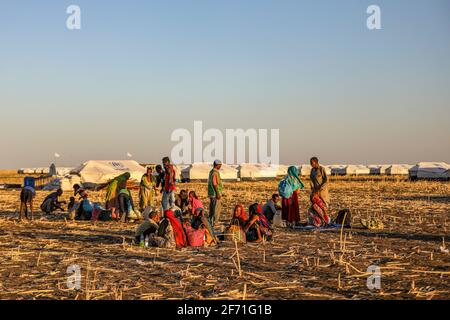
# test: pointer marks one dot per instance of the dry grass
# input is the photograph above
(328, 264)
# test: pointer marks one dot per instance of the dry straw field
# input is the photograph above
(412, 252)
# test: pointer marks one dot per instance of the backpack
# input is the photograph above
(285, 189)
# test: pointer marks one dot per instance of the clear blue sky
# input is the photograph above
(137, 70)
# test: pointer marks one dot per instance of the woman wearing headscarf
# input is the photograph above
(147, 190)
(111, 201)
(200, 218)
(194, 202)
(239, 215)
(288, 189)
(178, 231)
(257, 227)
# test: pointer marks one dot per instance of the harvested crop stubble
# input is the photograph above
(328, 264)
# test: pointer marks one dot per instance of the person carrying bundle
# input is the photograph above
(51, 203)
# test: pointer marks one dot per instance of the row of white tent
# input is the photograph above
(95, 172)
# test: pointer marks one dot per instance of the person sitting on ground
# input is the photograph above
(78, 190)
(257, 228)
(26, 199)
(194, 202)
(165, 236)
(85, 207)
(182, 201)
(200, 218)
(125, 202)
(178, 231)
(73, 207)
(149, 226)
(239, 216)
(271, 207)
(51, 203)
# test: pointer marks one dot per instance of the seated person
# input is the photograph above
(149, 226)
(176, 229)
(78, 190)
(200, 218)
(239, 216)
(194, 202)
(257, 227)
(318, 212)
(26, 199)
(182, 201)
(73, 207)
(51, 203)
(271, 207)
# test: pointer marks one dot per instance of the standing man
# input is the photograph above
(215, 192)
(168, 196)
(319, 180)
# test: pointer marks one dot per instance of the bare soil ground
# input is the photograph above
(320, 264)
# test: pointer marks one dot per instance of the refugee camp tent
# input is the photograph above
(281, 170)
(398, 169)
(327, 170)
(429, 170)
(338, 169)
(378, 169)
(200, 172)
(101, 171)
(356, 170)
(257, 171)
(65, 183)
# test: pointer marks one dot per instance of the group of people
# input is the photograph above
(182, 219)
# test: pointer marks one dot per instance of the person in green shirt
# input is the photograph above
(215, 192)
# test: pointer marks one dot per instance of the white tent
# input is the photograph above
(327, 170)
(398, 169)
(430, 170)
(257, 171)
(378, 169)
(281, 170)
(357, 170)
(200, 172)
(101, 171)
(338, 169)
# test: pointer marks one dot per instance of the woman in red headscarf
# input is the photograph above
(239, 215)
(178, 231)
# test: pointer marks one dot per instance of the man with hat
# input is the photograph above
(215, 192)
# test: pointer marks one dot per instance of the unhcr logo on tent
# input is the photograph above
(232, 148)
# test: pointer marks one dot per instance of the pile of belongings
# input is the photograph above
(372, 224)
